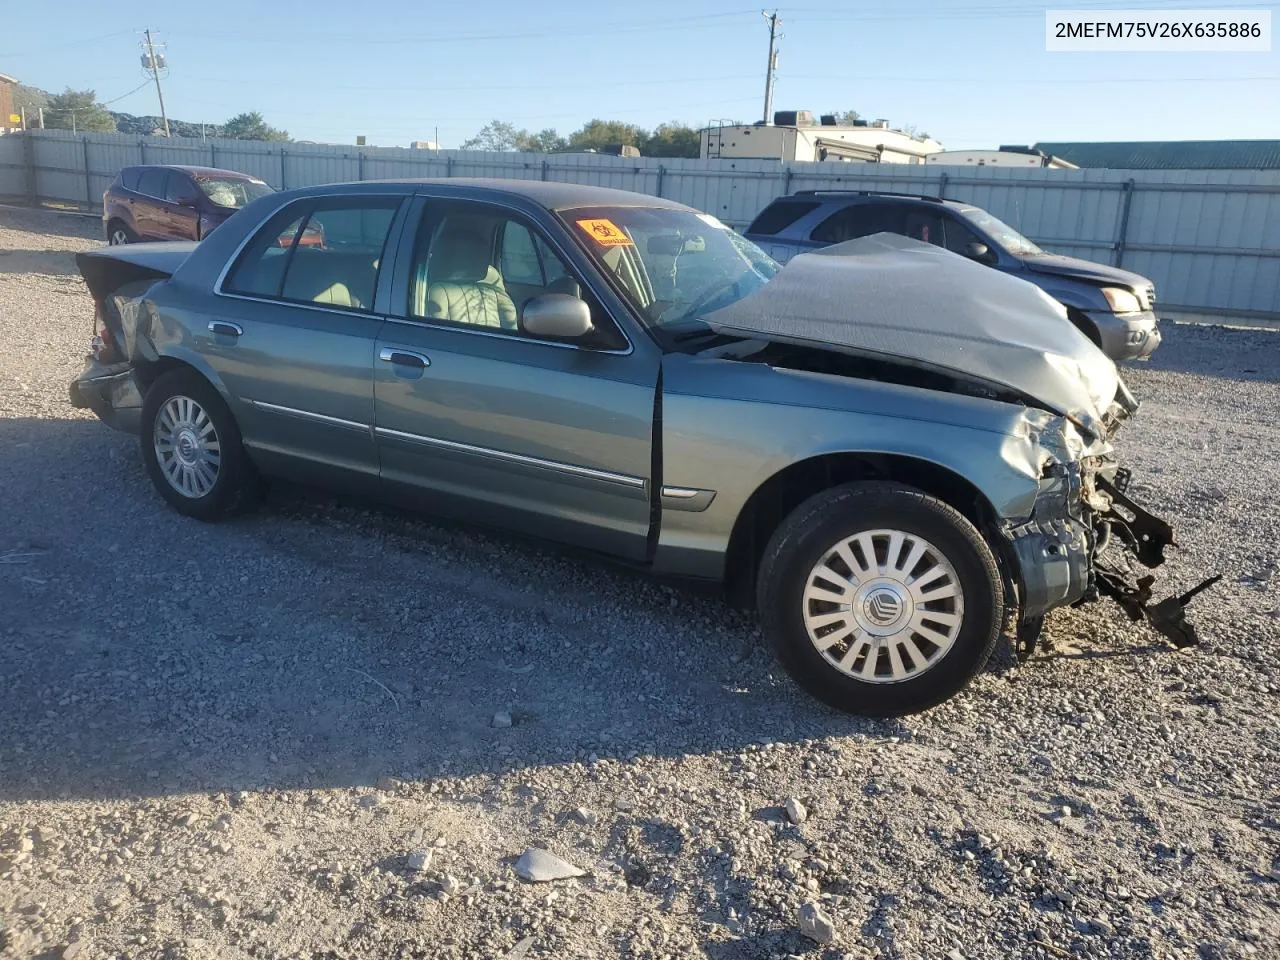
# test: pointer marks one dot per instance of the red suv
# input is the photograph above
(173, 203)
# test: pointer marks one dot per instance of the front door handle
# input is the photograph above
(225, 328)
(405, 358)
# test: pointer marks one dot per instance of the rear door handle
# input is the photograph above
(225, 328)
(405, 358)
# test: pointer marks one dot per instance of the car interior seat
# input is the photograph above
(461, 284)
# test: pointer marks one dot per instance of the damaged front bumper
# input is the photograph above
(1131, 533)
(111, 391)
(1088, 538)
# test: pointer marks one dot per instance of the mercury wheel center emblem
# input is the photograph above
(882, 607)
(187, 447)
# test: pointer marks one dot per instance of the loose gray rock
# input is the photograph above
(419, 860)
(816, 925)
(796, 811)
(502, 719)
(539, 866)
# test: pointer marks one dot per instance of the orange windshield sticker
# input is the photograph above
(606, 233)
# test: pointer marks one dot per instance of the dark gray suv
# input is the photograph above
(1113, 307)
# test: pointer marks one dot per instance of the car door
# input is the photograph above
(478, 419)
(152, 184)
(178, 216)
(295, 334)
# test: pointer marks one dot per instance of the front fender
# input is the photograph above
(728, 427)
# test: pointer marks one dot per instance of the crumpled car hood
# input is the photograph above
(890, 296)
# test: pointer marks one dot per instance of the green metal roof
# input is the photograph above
(1171, 154)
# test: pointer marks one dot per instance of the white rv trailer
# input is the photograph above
(795, 136)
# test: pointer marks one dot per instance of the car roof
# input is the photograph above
(843, 197)
(196, 171)
(549, 194)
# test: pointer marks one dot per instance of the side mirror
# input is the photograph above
(978, 251)
(557, 315)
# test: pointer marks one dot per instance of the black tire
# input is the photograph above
(810, 535)
(117, 229)
(234, 487)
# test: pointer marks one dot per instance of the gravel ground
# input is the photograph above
(328, 731)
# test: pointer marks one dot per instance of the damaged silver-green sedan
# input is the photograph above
(886, 448)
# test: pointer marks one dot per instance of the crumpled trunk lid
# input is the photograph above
(891, 296)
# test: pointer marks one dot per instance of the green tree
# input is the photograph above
(251, 126)
(845, 118)
(78, 110)
(495, 136)
(30, 97)
(598, 134)
(544, 141)
(672, 140)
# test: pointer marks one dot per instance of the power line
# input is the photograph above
(1036, 80)
(400, 88)
(40, 51)
(599, 29)
(107, 103)
(925, 16)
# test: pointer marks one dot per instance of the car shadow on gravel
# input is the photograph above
(49, 263)
(320, 643)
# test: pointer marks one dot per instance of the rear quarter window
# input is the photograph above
(779, 215)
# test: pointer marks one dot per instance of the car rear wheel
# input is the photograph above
(118, 234)
(880, 599)
(192, 450)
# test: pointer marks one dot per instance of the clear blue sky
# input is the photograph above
(971, 73)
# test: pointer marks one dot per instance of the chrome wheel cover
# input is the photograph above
(883, 606)
(187, 447)
(118, 237)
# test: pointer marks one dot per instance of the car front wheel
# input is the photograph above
(880, 599)
(192, 450)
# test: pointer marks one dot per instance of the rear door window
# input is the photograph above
(861, 220)
(178, 187)
(153, 181)
(129, 178)
(779, 215)
(327, 252)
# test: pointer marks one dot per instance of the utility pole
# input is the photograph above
(774, 36)
(151, 63)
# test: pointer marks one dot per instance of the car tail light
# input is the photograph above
(103, 343)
